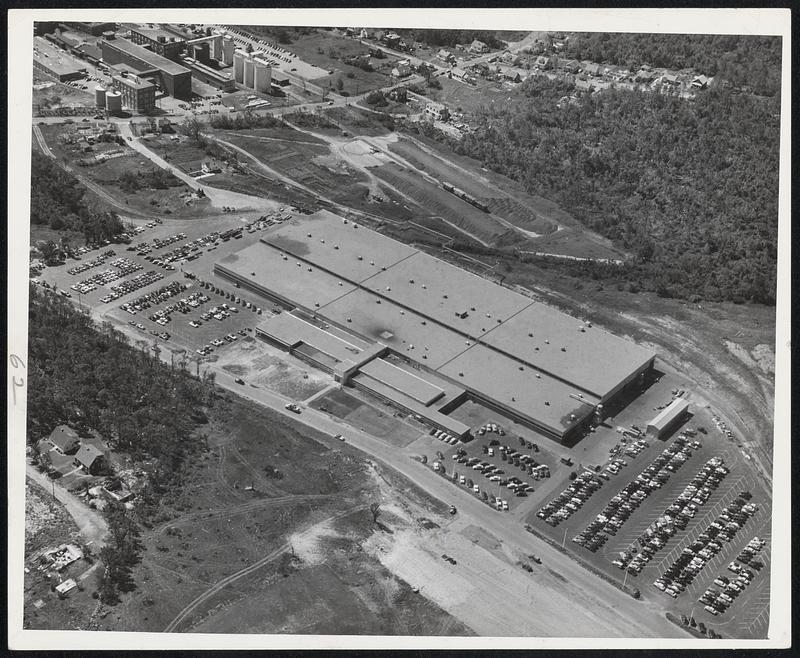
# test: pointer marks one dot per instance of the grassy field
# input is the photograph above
(440, 203)
(380, 421)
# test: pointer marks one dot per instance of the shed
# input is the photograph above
(670, 417)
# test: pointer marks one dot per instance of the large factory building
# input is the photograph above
(174, 79)
(427, 336)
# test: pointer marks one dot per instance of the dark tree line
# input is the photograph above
(121, 553)
(451, 38)
(92, 379)
(744, 61)
(689, 187)
(57, 201)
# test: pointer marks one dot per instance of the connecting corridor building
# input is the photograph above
(427, 336)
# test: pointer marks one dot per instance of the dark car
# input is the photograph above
(239, 380)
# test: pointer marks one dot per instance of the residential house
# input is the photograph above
(446, 56)
(438, 111)
(670, 79)
(644, 76)
(584, 85)
(512, 74)
(544, 62)
(89, 458)
(507, 56)
(402, 70)
(570, 65)
(700, 82)
(478, 47)
(592, 68)
(64, 439)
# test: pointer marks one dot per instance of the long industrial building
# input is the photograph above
(425, 335)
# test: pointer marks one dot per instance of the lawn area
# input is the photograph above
(328, 51)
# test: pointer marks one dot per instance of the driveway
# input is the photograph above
(91, 524)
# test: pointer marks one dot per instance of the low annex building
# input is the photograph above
(363, 305)
(669, 418)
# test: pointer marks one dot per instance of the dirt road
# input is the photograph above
(91, 524)
(184, 614)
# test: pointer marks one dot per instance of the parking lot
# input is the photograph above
(653, 527)
(505, 470)
(162, 284)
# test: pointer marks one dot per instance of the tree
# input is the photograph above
(470, 484)
(191, 127)
(375, 510)
(121, 553)
(701, 627)
(339, 84)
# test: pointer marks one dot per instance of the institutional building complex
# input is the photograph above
(427, 336)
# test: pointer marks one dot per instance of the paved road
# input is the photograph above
(91, 524)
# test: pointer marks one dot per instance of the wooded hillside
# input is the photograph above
(689, 187)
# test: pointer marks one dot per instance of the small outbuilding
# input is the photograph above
(671, 417)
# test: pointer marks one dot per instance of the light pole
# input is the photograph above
(563, 543)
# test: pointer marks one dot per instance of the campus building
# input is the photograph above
(427, 336)
(174, 79)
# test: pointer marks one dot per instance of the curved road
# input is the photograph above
(91, 524)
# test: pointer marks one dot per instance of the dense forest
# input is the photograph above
(744, 61)
(57, 201)
(689, 187)
(92, 379)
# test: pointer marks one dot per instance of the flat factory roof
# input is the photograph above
(266, 267)
(441, 291)
(403, 381)
(155, 32)
(499, 378)
(54, 59)
(345, 249)
(291, 330)
(132, 82)
(452, 425)
(594, 359)
(152, 59)
(403, 331)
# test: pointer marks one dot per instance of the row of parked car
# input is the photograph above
(754, 547)
(694, 557)
(619, 509)
(158, 296)
(164, 315)
(219, 342)
(676, 517)
(722, 426)
(571, 499)
(443, 436)
(716, 602)
(124, 268)
(89, 264)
